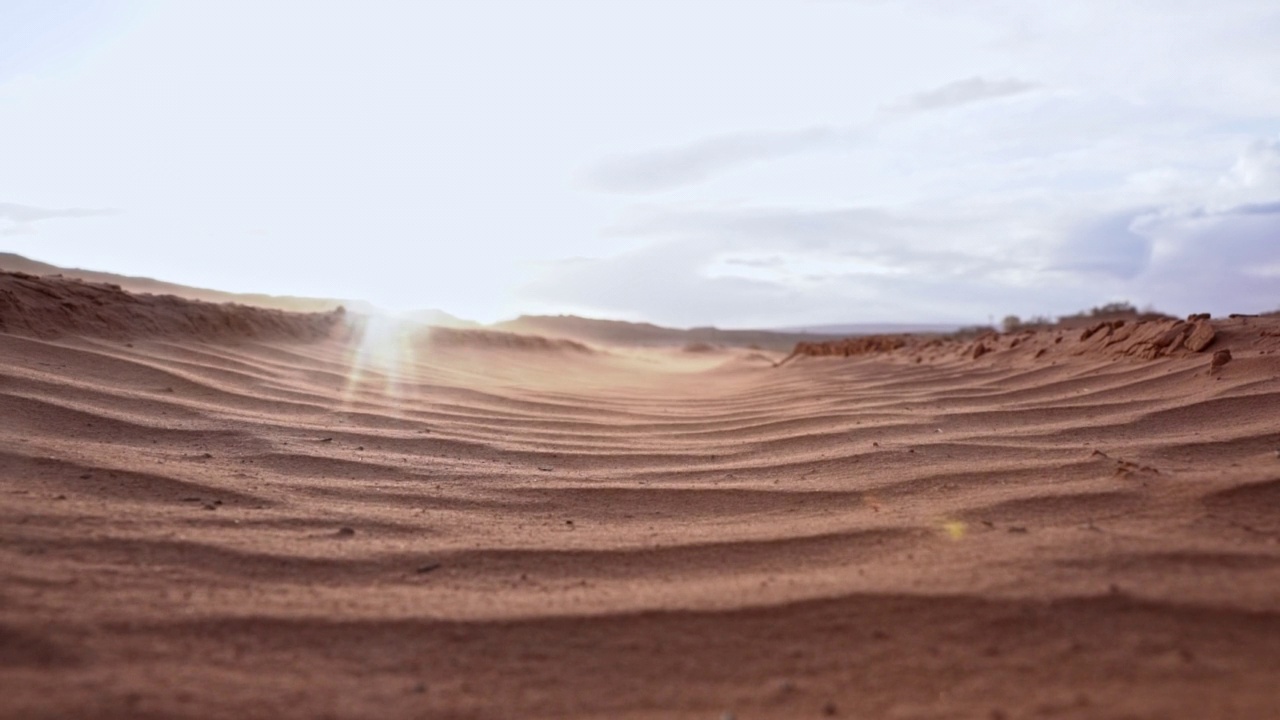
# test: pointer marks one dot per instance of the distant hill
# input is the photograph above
(848, 329)
(618, 332)
(588, 330)
(18, 263)
(439, 318)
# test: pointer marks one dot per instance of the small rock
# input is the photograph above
(85, 476)
(1220, 358)
(1170, 340)
(59, 497)
(207, 456)
(1202, 334)
(359, 447)
(1017, 529)
(978, 351)
(346, 532)
(328, 439)
(544, 468)
(420, 688)
(830, 709)
(429, 567)
(210, 506)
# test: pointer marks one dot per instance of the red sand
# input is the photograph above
(203, 516)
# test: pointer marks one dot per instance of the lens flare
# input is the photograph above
(380, 357)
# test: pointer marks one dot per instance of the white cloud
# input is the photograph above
(658, 170)
(663, 169)
(24, 216)
(962, 92)
(945, 261)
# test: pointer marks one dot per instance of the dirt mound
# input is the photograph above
(53, 306)
(849, 347)
(464, 338)
(150, 286)
(1141, 340)
(700, 347)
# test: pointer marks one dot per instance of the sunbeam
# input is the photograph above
(379, 356)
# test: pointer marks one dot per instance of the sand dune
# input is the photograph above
(55, 306)
(248, 515)
(16, 263)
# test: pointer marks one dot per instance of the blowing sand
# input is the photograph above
(254, 523)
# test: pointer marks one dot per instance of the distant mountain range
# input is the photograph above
(619, 332)
(846, 329)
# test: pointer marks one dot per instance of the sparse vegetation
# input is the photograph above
(1114, 308)
(1013, 323)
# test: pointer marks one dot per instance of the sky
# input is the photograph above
(743, 163)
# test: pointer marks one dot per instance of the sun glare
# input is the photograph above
(379, 358)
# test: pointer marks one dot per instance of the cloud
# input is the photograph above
(920, 239)
(961, 92)
(959, 260)
(676, 283)
(22, 216)
(770, 267)
(1106, 245)
(1267, 208)
(1254, 180)
(658, 170)
(667, 168)
(772, 261)
(1220, 262)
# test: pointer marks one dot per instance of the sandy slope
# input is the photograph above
(270, 528)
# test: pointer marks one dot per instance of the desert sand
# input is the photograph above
(221, 511)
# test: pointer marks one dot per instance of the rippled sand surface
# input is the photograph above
(292, 529)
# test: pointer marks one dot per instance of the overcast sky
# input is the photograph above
(742, 163)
